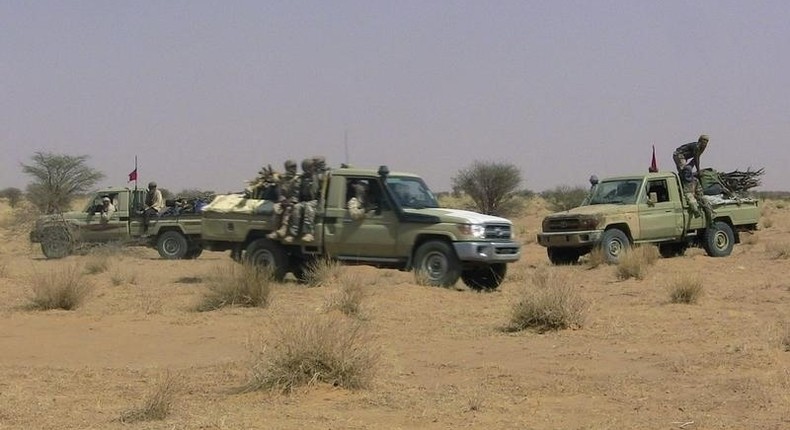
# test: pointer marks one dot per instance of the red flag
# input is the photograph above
(133, 175)
(653, 167)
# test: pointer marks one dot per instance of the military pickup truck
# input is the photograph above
(403, 228)
(175, 233)
(652, 208)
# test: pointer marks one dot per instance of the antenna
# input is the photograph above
(345, 143)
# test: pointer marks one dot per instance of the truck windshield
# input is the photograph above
(411, 192)
(622, 191)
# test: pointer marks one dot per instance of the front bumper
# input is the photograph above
(488, 252)
(570, 239)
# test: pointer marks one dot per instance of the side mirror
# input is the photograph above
(652, 199)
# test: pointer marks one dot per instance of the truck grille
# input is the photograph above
(562, 224)
(498, 231)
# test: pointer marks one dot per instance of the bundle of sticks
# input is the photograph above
(739, 182)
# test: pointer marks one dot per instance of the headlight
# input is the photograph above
(475, 230)
(589, 223)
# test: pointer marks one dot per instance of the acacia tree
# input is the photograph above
(13, 194)
(57, 179)
(490, 185)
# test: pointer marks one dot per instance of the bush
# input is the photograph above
(595, 258)
(13, 195)
(60, 289)
(778, 251)
(685, 290)
(564, 197)
(347, 298)
(158, 402)
(635, 261)
(97, 264)
(491, 186)
(321, 272)
(553, 304)
(58, 179)
(246, 285)
(326, 348)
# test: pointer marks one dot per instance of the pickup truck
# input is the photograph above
(404, 230)
(652, 208)
(175, 233)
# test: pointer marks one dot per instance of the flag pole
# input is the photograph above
(135, 173)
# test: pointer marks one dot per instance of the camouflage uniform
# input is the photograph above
(690, 151)
(695, 197)
(356, 205)
(287, 196)
(303, 217)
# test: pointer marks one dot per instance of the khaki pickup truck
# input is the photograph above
(403, 228)
(652, 208)
(175, 233)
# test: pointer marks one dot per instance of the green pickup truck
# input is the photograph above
(175, 233)
(652, 208)
(403, 228)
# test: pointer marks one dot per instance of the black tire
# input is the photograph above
(614, 243)
(265, 253)
(718, 240)
(485, 278)
(436, 264)
(172, 245)
(56, 242)
(563, 256)
(669, 250)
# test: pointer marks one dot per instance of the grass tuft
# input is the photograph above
(158, 402)
(686, 290)
(246, 285)
(4, 272)
(97, 264)
(778, 250)
(60, 289)
(552, 304)
(321, 272)
(595, 258)
(635, 261)
(348, 297)
(326, 348)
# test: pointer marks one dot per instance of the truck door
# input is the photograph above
(94, 230)
(373, 236)
(661, 220)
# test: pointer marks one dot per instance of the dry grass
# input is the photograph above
(60, 289)
(783, 336)
(686, 290)
(552, 304)
(348, 297)
(4, 272)
(595, 258)
(121, 276)
(96, 264)
(749, 238)
(158, 402)
(322, 272)
(246, 285)
(778, 250)
(767, 222)
(635, 261)
(326, 348)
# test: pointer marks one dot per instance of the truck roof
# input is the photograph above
(354, 171)
(113, 189)
(664, 174)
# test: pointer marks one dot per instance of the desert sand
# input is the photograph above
(638, 362)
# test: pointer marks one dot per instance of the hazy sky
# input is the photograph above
(205, 93)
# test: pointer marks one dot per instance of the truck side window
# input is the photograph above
(660, 188)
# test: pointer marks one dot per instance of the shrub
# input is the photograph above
(767, 222)
(238, 285)
(595, 258)
(784, 337)
(325, 348)
(686, 290)
(634, 263)
(60, 289)
(3, 268)
(553, 304)
(564, 197)
(13, 195)
(778, 251)
(347, 298)
(321, 272)
(492, 186)
(97, 264)
(749, 238)
(158, 402)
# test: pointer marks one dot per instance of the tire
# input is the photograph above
(718, 240)
(485, 278)
(56, 242)
(669, 250)
(172, 245)
(265, 253)
(563, 256)
(436, 264)
(614, 243)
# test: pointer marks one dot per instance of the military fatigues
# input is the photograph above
(695, 197)
(303, 217)
(287, 195)
(689, 151)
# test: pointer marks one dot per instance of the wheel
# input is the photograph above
(614, 243)
(563, 256)
(669, 250)
(485, 278)
(436, 264)
(265, 253)
(56, 242)
(718, 240)
(172, 245)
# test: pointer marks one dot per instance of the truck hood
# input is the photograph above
(596, 210)
(459, 216)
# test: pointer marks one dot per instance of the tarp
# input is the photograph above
(237, 203)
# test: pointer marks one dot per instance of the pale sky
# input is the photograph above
(205, 93)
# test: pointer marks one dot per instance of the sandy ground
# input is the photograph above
(639, 361)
